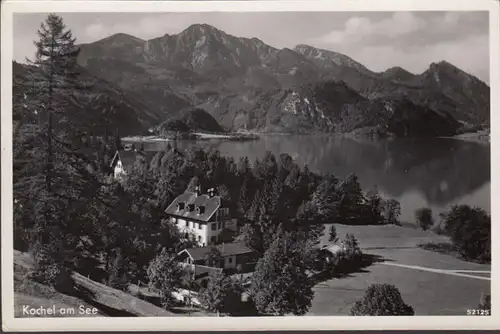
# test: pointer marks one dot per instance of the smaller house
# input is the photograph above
(332, 253)
(123, 161)
(232, 256)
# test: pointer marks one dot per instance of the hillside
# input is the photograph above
(90, 294)
(334, 107)
(192, 120)
(235, 79)
(128, 114)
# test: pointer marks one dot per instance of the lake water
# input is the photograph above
(434, 173)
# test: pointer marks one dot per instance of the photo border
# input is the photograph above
(10, 323)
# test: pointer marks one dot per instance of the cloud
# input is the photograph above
(470, 54)
(357, 29)
(406, 28)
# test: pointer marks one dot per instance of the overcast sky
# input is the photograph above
(378, 40)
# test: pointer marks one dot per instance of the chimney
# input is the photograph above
(197, 190)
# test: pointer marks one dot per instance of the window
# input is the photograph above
(187, 223)
(219, 226)
(199, 226)
(214, 226)
(230, 260)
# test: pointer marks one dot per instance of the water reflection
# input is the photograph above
(419, 172)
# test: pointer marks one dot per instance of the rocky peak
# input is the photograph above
(327, 58)
(397, 73)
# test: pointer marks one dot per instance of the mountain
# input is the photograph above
(129, 115)
(245, 83)
(191, 120)
(335, 107)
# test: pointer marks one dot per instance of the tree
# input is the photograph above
(280, 284)
(485, 303)
(332, 234)
(351, 247)
(424, 218)
(351, 199)
(392, 211)
(220, 295)
(213, 256)
(470, 232)
(381, 300)
(374, 205)
(166, 275)
(117, 272)
(54, 173)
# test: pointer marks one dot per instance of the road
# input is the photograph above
(460, 273)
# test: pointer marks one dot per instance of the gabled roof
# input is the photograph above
(202, 271)
(333, 249)
(233, 248)
(129, 157)
(211, 205)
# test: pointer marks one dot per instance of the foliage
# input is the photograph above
(220, 295)
(332, 234)
(470, 232)
(392, 211)
(381, 300)
(118, 277)
(213, 256)
(280, 284)
(424, 218)
(166, 275)
(374, 206)
(485, 303)
(351, 248)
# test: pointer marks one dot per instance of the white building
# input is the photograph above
(123, 161)
(203, 216)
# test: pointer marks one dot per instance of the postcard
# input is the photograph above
(249, 165)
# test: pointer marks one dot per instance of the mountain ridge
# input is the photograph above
(229, 76)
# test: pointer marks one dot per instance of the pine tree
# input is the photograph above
(280, 284)
(55, 178)
(219, 294)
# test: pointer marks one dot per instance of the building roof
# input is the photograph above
(211, 204)
(233, 248)
(333, 249)
(129, 157)
(202, 271)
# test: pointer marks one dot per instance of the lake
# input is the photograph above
(434, 172)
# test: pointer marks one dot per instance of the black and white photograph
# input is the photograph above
(238, 163)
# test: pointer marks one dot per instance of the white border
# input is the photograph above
(10, 323)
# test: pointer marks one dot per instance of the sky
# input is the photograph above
(378, 40)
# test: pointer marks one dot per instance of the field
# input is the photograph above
(432, 283)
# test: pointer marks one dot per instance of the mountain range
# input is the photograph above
(246, 84)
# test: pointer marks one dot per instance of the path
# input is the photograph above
(443, 271)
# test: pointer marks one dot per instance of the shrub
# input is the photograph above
(332, 234)
(166, 275)
(470, 232)
(351, 248)
(221, 294)
(485, 303)
(391, 212)
(383, 300)
(424, 218)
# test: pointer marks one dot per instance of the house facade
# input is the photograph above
(233, 255)
(123, 161)
(202, 215)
